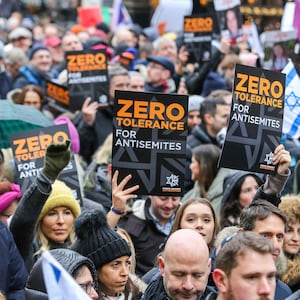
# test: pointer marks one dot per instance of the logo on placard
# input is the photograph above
(172, 180)
(269, 158)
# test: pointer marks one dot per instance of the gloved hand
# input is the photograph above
(56, 158)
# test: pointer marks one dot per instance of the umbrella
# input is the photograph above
(16, 118)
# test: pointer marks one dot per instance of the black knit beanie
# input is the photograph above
(96, 240)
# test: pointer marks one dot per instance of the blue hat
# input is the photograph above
(36, 48)
(213, 82)
(163, 61)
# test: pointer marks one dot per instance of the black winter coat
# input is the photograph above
(12, 269)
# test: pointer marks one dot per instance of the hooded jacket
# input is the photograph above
(70, 261)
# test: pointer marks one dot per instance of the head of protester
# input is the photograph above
(79, 267)
(55, 222)
(45, 214)
(204, 166)
(290, 206)
(160, 70)
(183, 271)
(32, 95)
(10, 195)
(245, 268)
(265, 219)
(197, 214)
(239, 191)
(109, 252)
(269, 221)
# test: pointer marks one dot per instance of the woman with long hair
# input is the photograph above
(197, 214)
(208, 179)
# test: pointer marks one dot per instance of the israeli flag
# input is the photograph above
(59, 283)
(120, 15)
(291, 117)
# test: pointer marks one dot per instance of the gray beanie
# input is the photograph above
(195, 102)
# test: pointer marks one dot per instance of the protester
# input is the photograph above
(98, 174)
(269, 221)
(184, 271)
(159, 75)
(193, 111)
(290, 206)
(197, 214)
(79, 267)
(38, 70)
(213, 114)
(19, 37)
(33, 95)
(207, 178)
(245, 268)
(95, 123)
(14, 60)
(109, 252)
(239, 190)
(136, 81)
(45, 215)
(148, 223)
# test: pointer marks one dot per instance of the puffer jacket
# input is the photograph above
(69, 259)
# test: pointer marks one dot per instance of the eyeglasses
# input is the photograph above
(87, 287)
(154, 66)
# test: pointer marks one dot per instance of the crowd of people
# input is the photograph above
(232, 235)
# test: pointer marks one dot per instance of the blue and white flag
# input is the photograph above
(120, 15)
(291, 117)
(59, 283)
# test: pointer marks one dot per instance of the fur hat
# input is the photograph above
(290, 206)
(96, 240)
(61, 195)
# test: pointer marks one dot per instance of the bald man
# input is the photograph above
(184, 269)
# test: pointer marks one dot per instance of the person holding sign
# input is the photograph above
(95, 124)
(149, 223)
(45, 215)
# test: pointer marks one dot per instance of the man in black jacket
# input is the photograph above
(184, 269)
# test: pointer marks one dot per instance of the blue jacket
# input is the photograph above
(12, 267)
(282, 290)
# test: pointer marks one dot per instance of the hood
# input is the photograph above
(70, 261)
(231, 180)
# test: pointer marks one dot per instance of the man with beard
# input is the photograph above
(245, 269)
(184, 268)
